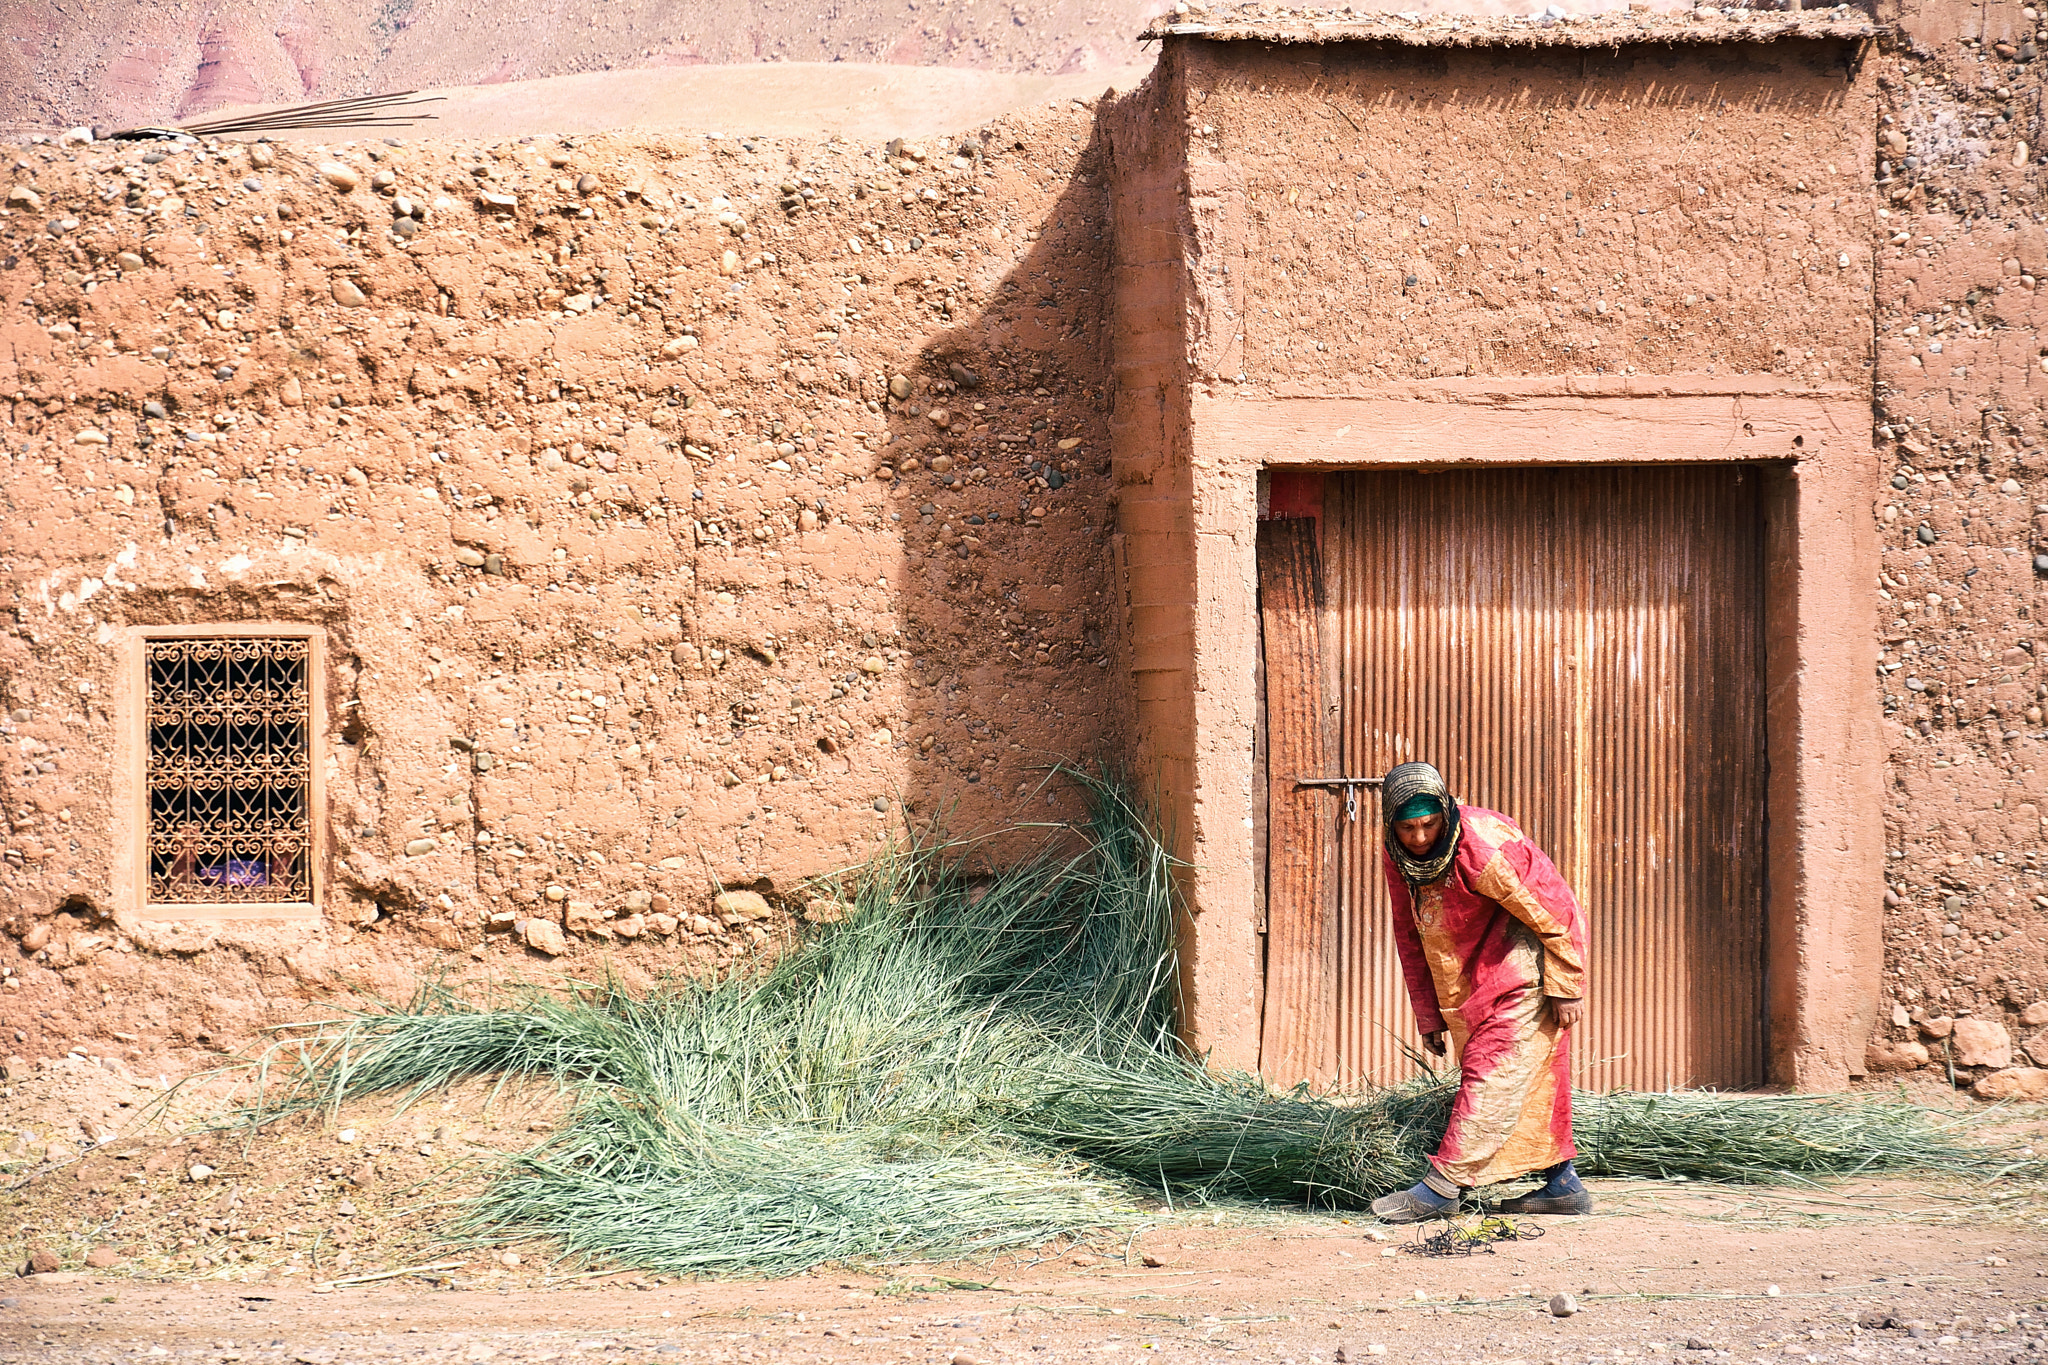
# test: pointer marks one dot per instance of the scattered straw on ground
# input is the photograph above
(955, 1070)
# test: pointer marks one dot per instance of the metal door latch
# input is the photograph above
(1350, 786)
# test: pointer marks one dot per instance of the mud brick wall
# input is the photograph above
(1356, 220)
(1406, 215)
(691, 513)
(1957, 221)
(676, 514)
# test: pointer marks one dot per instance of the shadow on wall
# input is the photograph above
(998, 456)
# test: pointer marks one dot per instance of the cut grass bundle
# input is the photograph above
(963, 1065)
(1179, 1127)
(1168, 1123)
(1761, 1139)
(646, 1185)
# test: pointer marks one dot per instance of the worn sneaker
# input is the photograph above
(1405, 1206)
(1577, 1202)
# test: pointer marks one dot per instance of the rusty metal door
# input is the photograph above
(1582, 650)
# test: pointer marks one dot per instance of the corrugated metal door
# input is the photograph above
(1582, 650)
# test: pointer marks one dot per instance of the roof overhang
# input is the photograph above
(1271, 24)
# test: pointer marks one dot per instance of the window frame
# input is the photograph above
(132, 807)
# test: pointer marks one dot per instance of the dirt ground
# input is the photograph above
(1660, 1271)
(251, 1247)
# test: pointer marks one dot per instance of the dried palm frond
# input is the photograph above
(394, 110)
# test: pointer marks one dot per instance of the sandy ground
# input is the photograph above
(853, 100)
(243, 1245)
(1661, 1271)
(256, 1255)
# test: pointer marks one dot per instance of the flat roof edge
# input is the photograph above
(1601, 30)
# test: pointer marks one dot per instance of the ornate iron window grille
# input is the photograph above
(230, 771)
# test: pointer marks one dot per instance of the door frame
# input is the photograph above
(1824, 879)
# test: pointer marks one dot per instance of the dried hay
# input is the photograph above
(964, 1065)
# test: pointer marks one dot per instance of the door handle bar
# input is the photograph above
(1349, 785)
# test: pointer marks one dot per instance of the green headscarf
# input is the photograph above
(1411, 791)
(1417, 807)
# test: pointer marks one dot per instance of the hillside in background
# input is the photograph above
(126, 62)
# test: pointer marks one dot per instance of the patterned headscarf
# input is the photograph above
(1410, 784)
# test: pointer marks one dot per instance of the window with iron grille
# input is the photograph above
(229, 771)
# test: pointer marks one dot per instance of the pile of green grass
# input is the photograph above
(962, 1065)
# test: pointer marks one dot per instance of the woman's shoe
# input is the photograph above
(1406, 1206)
(1576, 1202)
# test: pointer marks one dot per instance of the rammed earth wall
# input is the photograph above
(674, 515)
(1959, 425)
(626, 441)
(1392, 255)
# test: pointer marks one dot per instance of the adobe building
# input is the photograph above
(1588, 405)
(1524, 393)
(1635, 415)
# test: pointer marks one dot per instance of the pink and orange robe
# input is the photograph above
(1481, 948)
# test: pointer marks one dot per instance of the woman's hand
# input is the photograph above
(1567, 1012)
(1434, 1042)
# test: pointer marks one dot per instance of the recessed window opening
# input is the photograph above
(230, 771)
